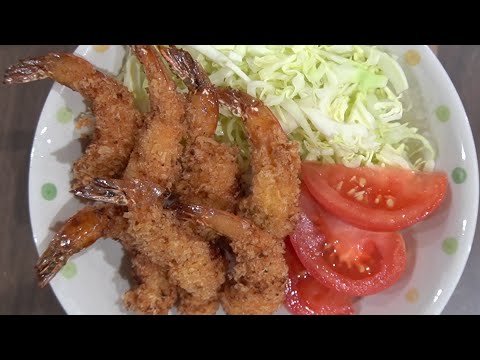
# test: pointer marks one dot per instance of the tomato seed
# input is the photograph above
(352, 191)
(339, 186)
(359, 195)
(390, 203)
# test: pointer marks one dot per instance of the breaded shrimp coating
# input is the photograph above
(117, 119)
(153, 294)
(272, 205)
(158, 234)
(154, 232)
(275, 189)
(210, 175)
(256, 285)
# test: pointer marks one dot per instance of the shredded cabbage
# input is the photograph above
(342, 103)
(133, 77)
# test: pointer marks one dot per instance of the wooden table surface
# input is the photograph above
(20, 108)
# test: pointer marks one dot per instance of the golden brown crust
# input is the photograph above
(157, 153)
(155, 157)
(258, 280)
(260, 269)
(153, 294)
(210, 175)
(117, 122)
(272, 205)
(210, 171)
(191, 264)
(170, 259)
(190, 305)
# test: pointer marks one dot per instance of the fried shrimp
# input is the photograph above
(272, 205)
(94, 221)
(210, 170)
(157, 153)
(192, 264)
(78, 233)
(259, 275)
(117, 119)
(155, 158)
(275, 189)
(116, 129)
(258, 280)
(170, 193)
(202, 113)
(152, 295)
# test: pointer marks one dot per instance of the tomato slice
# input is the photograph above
(375, 198)
(345, 258)
(306, 296)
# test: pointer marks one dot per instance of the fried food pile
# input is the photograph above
(197, 234)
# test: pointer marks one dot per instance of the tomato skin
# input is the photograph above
(306, 296)
(317, 227)
(388, 199)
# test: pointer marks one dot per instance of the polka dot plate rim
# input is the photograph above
(437, 249)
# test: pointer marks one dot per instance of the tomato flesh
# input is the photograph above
(357, 259)
(306, 296)
(375, 198)
(343, 257)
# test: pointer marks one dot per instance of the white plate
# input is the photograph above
(438, 248)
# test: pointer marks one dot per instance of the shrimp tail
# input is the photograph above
(223, 222)
(104, 190)
(186, 68)
(150, 59)
(78, 233)
(236, 101)
(187, 212)
(126, 192)
(25, 71)
(49, 264)
(117, 119)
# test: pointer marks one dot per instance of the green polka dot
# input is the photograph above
(69, 270)
(443, 113)
(49, 191)
(450, 246)
(64, 115)
(459, 175)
